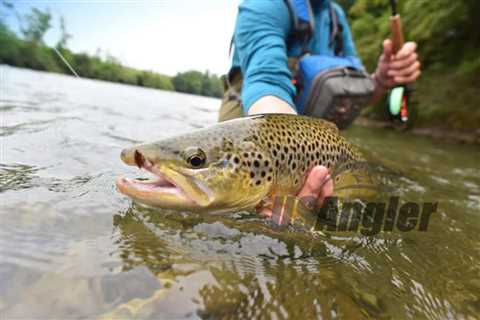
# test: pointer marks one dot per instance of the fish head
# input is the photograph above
(197, 172)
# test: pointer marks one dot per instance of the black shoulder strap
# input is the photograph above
(302, 30)
(302, 27)
(336, 30)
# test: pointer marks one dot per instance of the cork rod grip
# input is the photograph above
(397, 32)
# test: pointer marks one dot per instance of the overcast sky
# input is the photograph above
(166, 36)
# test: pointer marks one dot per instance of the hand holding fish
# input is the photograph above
(318, 185)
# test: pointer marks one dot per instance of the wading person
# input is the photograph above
(298, 57)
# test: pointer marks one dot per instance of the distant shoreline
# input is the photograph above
(105, 81)
(32, 53)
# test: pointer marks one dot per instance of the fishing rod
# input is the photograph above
(398, 99)
(66, 62)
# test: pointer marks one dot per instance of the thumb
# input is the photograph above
(387, 49)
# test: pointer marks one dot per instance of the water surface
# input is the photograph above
(72, 247)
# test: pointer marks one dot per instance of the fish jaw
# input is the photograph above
(154, 193)
(169, 190)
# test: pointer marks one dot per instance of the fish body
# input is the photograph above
(235, 164)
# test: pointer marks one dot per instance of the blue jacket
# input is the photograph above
(260, 36)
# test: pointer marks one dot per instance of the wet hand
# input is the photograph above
(317, 187)
(397, 69)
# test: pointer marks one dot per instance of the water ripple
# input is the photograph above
(33, 126)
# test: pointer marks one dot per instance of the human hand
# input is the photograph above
(316, 188)
(397, 69)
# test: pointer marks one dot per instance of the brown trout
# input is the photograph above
(236, 164)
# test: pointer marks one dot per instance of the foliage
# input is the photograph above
(448, 37)
(31, 52)
(197, 83)
(345, 4)
(38, 23)
(64, 35)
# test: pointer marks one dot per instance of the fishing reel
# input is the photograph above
(399, 108)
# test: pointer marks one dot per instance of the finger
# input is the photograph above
(314, 183)
(326, 192)
(265, 208)
(407, 49)
(314, 186)
(405, 72)
(400, 64)
(408, 79)
(387, 50)
(266, 212)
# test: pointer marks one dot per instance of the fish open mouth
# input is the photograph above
(160, 190)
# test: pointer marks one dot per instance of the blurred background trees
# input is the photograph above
(448, 37)
(28, 50)
(37, 24)
(198, 83)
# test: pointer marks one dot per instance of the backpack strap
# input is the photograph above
(303, 23)
(303, 26)
(336, 30)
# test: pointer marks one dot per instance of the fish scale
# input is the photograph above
(293, 145)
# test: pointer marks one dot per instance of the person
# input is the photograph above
(260, 80)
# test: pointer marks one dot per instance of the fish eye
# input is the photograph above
(195, 157)
(196, 161)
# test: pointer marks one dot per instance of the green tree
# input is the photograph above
(38, 23)
(64, 35)
(195, 82)
(10, 46)
(188, 82)
(207, 85)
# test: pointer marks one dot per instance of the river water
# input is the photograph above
(72, 247)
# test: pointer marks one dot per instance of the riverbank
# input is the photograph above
(33, 53)
(456, 136)
(444, 105)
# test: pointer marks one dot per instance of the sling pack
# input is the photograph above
(334, 88)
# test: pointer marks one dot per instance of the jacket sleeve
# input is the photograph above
(260, 43)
